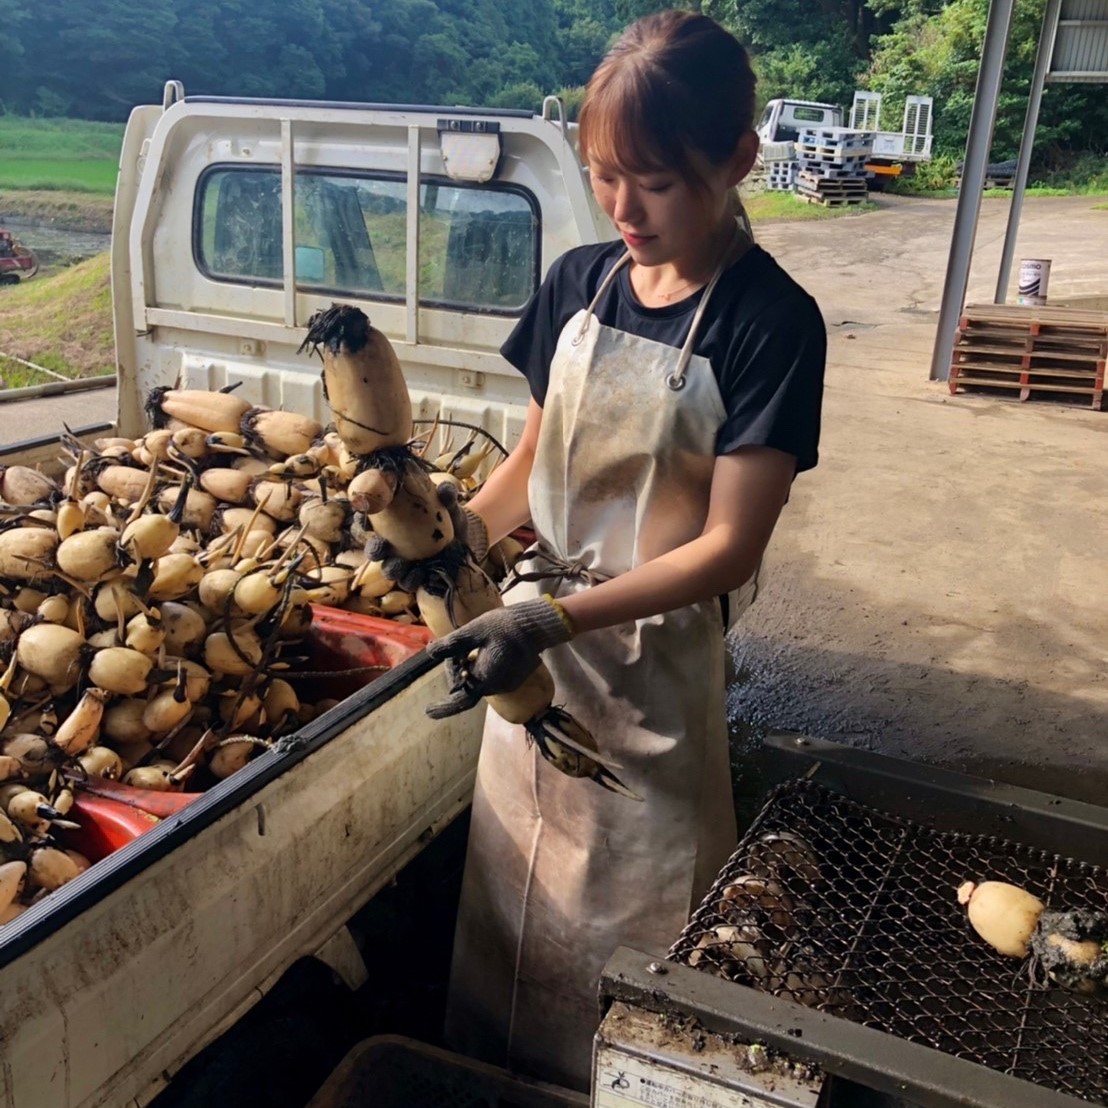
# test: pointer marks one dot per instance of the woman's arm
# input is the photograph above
(502, 500)
(749, 489)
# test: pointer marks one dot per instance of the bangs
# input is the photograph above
(629, 124)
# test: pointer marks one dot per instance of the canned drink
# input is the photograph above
(1034, 278)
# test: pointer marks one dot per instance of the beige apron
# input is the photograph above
(559, 871)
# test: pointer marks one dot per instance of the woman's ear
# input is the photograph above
(742, 161)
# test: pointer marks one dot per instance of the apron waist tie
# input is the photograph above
(731, 605)
(558, 569)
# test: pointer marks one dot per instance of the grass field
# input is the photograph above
(785, 207)
(68, 155)
(62, 323)
(43, 174)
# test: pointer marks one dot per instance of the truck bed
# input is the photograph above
(191, 923)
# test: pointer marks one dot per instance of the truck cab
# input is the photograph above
(783, 120)
(235, 220)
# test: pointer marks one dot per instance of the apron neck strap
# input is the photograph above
(676, 380)
(606, 284)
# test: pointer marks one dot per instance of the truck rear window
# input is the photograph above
(803, 114)
(478, 244)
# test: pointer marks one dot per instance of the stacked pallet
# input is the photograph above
(998, 175)
(781, 176)
(832, 165)
(1039, 352)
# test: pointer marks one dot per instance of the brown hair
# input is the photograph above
(676, 89)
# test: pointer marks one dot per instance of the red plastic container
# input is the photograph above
(353, 649)
(106, 825)
(341, 645)
(148, 801)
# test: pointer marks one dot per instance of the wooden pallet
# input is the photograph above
(831, 186)
(832, 153)
(830, 201)
(1040, 351)
(832, 172)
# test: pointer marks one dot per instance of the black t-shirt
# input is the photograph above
(762, 334)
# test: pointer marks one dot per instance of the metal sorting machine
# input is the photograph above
(832, 950)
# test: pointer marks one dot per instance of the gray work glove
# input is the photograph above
(507, 642)
(469, 529)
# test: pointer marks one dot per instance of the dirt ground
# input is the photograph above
(936, 589)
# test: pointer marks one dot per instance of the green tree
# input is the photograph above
(801, 49)
(254, 47)
(13, 76)
(936, 51)
(98, 57)
(825, 71)
(585, 30)
(525, 95)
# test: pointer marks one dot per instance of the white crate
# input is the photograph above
(836, 136)
(781, 175)
(778, 151)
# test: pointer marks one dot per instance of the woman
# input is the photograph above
(676, 379)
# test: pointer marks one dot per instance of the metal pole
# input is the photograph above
(1030, 124)
(973, 180)
(288, 219)
(58, 388)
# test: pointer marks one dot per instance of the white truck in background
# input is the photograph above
(234, 221)
(894, 153)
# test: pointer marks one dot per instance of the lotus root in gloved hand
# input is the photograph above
(497, 648)
(469, 529)
(498, 651)
(417, 535)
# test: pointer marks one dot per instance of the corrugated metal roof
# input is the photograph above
(1081, 45)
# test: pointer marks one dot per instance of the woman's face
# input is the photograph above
(663, 217)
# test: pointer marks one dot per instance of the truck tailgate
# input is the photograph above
(113, 982)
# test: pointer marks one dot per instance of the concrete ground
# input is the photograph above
(936, 588)
(27, 419)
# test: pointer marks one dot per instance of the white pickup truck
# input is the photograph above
(234, 221)
(894, 153)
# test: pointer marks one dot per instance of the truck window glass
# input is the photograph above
(804, 114)
(479, 245)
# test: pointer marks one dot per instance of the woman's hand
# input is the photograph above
(497, 651)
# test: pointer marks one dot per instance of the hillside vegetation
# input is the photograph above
(98, 58)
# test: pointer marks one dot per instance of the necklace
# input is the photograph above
(668, 296)
(699, 282)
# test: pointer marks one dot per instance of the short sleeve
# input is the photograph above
(772, 387)
(531, 345)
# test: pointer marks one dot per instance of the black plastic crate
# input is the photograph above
(389, 1071)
